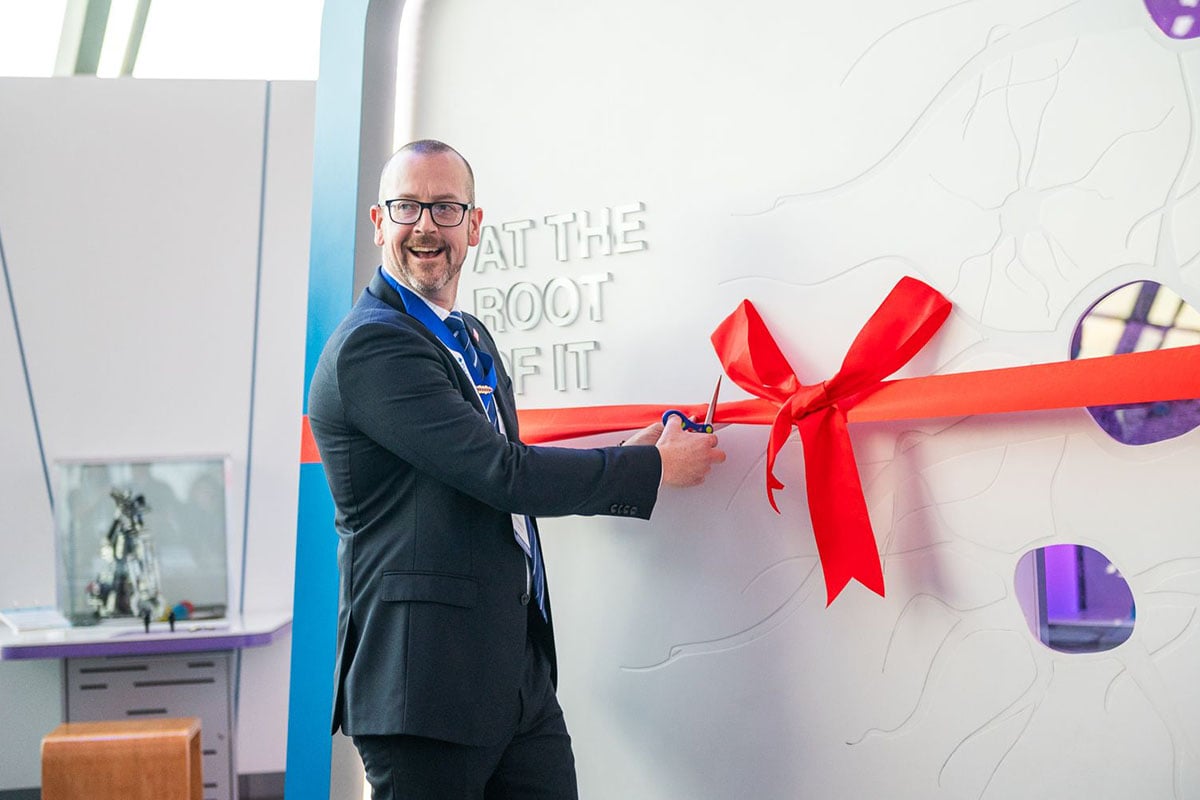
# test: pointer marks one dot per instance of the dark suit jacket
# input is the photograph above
(433, 611)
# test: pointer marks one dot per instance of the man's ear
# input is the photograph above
(474, 226)
(377, 221)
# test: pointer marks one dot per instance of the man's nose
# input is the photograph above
(425, 221)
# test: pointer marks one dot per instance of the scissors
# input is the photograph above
(697, 427)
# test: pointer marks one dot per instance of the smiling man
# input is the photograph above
(446, 666)
(426, 251)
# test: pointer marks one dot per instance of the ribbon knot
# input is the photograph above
(806, 400)
(899, 328)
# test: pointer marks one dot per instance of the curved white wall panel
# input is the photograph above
(645, 167)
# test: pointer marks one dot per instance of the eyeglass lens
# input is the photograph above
(406, 212)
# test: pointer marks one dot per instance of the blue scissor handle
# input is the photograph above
(688, 425)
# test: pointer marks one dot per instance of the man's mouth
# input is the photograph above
(425, 251)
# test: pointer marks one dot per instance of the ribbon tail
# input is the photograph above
(781, 429)
(841, 525)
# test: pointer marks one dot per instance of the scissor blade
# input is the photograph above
(712, 406)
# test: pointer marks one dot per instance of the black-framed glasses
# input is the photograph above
(444, 213)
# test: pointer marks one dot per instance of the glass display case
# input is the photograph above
(142, 538)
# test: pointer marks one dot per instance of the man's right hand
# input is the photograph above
(686, 456)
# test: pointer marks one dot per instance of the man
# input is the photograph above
(445, 649)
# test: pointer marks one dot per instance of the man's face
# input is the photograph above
(423, 256)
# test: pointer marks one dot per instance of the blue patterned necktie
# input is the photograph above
(458, 327)
(532, 549)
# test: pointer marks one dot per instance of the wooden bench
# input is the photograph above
(148, 759)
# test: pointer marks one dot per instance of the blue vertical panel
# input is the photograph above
(337, 132)
(309, 745)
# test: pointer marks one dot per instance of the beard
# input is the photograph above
(426, 276)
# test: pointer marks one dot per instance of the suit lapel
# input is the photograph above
(505, 403)
(383, 290)
(507, 408)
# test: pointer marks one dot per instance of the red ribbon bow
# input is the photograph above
(902, 325)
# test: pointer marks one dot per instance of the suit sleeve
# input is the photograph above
(406, 393)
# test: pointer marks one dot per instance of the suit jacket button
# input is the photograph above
(525, 598)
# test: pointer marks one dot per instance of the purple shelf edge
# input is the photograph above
(167, 643)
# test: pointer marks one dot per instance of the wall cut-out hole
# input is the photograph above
(1176, 18)
(1137, 317)
(1074, 598)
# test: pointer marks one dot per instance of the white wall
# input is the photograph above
(1023, 158)
(130, 219)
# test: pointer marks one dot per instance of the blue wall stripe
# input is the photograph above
(309, 745)
(336, 136)
(37, 428)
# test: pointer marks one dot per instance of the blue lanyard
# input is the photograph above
(420, 310)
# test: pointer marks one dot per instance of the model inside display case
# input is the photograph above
(142, 538)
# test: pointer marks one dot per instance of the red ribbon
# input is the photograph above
(904, 323)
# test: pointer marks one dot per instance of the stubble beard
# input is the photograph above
(428, 282)
(426, 277)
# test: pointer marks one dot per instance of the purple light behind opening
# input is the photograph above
(1062, 582)
(1140, 423)
(1108, 596)
(1178, 19)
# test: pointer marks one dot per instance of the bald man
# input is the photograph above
(446, 667)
